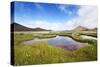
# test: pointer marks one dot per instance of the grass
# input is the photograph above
(18, 38)
(38, 54)
(87, 53)
(44, 36)
(80, 39)
(90, 33)
(76, 36)
(44, 53)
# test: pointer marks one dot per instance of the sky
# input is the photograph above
(55, 17)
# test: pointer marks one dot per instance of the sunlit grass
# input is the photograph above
(39, 53)
(80, 39)
(44, 53)
(18, 38)
(44, 36)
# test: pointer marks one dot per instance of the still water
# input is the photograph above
(59, 41)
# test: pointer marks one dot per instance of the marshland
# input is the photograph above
(46, 33)
(54, 47)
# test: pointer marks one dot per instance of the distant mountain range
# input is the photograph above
(19, 27)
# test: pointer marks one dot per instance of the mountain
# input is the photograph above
(80, 28)
(95, 29)
(19, 27)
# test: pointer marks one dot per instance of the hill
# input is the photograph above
(80, 28)
(19, 27)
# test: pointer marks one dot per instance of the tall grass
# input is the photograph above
(18, 38)
(44, 53)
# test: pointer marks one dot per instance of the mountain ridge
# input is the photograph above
(19, 27)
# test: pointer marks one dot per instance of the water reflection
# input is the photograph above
(59, 41)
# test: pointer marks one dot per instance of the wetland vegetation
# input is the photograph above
(43, 52)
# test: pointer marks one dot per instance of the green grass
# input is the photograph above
(87, 53)
(43, 53)
(44, 36)
(39, 53)
(18, 38)
(89, 33)
(80, 39)
(76, 36)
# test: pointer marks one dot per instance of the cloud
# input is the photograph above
(56, 26)
(47, 25)
(39, 6)
(87, 17)
(64, 8)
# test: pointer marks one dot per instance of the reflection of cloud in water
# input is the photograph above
(60, 41)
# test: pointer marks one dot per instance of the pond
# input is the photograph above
(60, 41)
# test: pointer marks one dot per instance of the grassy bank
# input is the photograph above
(89, 33)
(44, 53)
(18, 38)
(77, 36)
(74, 35)
(43, 36)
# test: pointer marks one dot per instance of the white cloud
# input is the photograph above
(63, 8)
(47, 25)
(88, 17)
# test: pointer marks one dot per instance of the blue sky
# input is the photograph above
(45, 15)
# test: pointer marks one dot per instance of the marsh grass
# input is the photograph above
(89, 33)
(80, 39)
(44, 36)
(44, 53)
(18, 38)
(77, 36)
